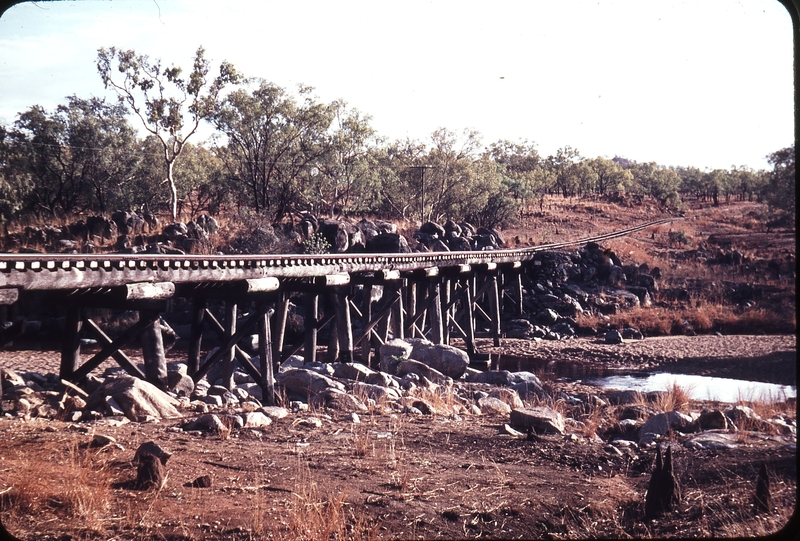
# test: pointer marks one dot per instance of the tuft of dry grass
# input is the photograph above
(313, 516)
(675, 398)
(65, 482)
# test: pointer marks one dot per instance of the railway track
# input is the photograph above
(69, 271)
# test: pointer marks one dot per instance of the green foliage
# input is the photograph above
(169, 106)
(678, 237)
(316, 245)
(277, 153)
(781, 193)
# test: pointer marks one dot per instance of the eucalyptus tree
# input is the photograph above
(781, 192)
(522, 166)
(563, 167)
(402, 176)
(272, 142)
(15, 181)
(74, 159)
(691, 180)
(747, 182)
(610, 178)
(169, 105)
(657, 181)
(200, 180)
(452, 179)
(345, 177)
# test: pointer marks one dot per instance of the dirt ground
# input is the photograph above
(397, 476)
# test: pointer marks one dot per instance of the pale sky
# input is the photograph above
(706, 83)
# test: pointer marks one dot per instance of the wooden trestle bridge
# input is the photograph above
(436, 295)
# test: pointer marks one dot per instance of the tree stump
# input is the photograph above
(663, 491)
(763, 499)
(150, 473)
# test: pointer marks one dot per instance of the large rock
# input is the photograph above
(540, 419)
(335, 234)
(712, 420)
(307, 382)
(713, 441)
(659, 425)
(255, 419)
(375, 392)
(354, 371)
(744, 418)
(388, 243)
(180, 384)
(448, 360)
(341, 401)
(392, 352)
(139, 399)
(422, 370)
(508, 396)
(493, 405)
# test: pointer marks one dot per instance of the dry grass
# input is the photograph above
(702, 318)
(675, 398)
(60, 482)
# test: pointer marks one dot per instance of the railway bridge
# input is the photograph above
(437, 295)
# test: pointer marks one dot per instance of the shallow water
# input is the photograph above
(698, 387)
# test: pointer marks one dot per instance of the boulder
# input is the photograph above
(448, 360)
(209, 422)
(10, 378)
(255, 419)
(492, 377)
(459, 244)
(341, 401)
(713, 441)
(275, 412)
(382, 379)
(432, 228)
(712, 420)
(375, 392)
(392, 352)
(744, 418)
(422, 370)
(307, 382)
(508, 396)
(139, 399)
(335, 234)
(659, 425)
(518, 328)
(354, 371)
(539, 418)
(493, 405)
(527, 385)
(613, 337)
(388, 243)
(253, 390)
(180, 384)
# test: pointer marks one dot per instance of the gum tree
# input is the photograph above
(169, 105)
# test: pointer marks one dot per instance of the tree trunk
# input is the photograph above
(173, 192)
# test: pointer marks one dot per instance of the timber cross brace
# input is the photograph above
(439, 295)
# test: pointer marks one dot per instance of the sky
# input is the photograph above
(704, 83)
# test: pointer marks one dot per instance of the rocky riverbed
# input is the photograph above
(402, 451)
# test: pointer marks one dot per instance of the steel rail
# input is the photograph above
(71, 271)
